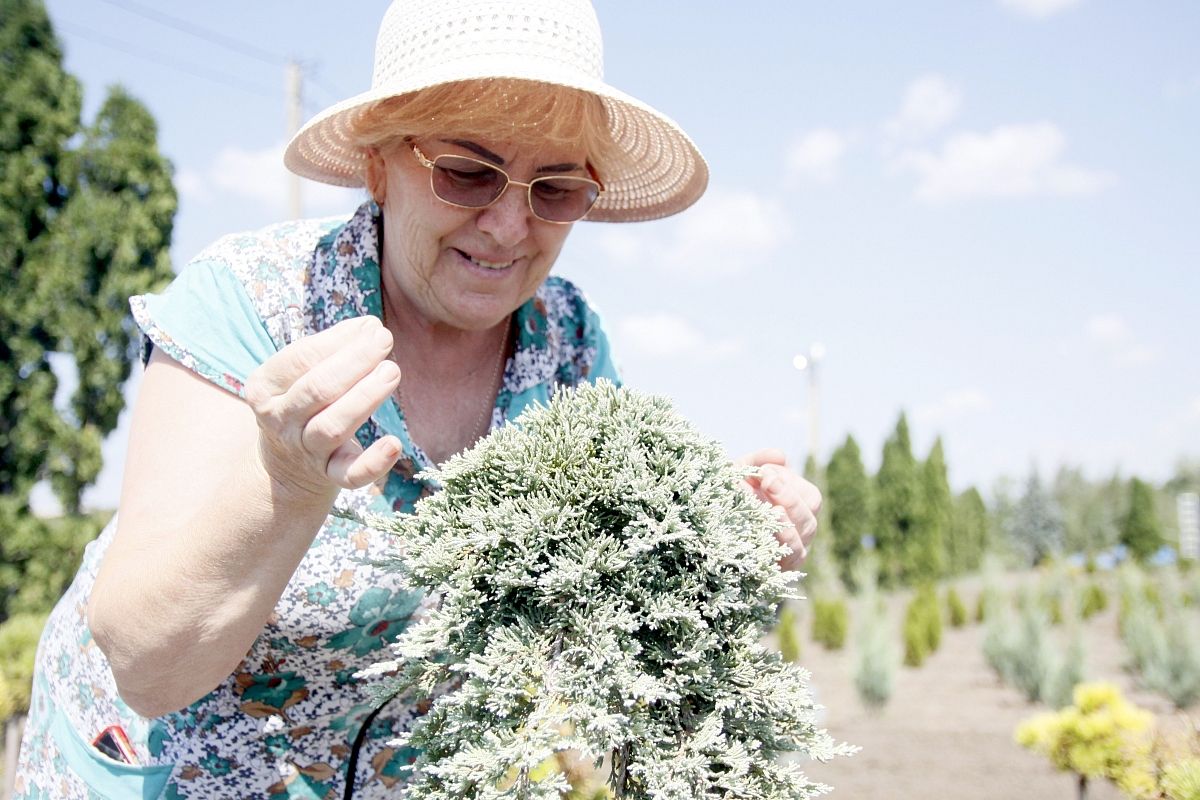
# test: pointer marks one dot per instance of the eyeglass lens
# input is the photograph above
(474, 184)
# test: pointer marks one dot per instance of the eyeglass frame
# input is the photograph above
(424, 161)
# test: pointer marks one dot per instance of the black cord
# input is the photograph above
(352, 765)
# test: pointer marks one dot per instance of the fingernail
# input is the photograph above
(387, 371)
(383, 339)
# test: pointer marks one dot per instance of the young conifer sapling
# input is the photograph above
(604, 584)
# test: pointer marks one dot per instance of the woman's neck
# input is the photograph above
(449, 377)
(437, 348)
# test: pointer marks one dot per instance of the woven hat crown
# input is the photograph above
(545, 38)
(655, 168)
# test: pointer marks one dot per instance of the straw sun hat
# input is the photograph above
(655, 169)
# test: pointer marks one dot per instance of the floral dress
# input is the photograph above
(282, 725)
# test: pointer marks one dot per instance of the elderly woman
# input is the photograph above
(209, 645)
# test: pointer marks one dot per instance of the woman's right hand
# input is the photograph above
(311, 397)
(224, 498)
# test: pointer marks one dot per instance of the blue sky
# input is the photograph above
(985, 210)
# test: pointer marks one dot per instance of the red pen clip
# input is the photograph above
(113, 742)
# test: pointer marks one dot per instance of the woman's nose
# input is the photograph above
(507, 220)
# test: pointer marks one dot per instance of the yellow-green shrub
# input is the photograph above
(830, 622)
(956, 611)
(789, 642)
(922, 626)
(18, 645)
(1092, 601)
(1101, 736)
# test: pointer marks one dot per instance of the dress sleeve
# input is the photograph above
(602, 365)
(206, 321)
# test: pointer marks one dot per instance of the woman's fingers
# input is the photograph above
(338, 374)
(339, 419)
(278, 373)
(311, 397)
(351, 467)
(768, 455)
(798, 501)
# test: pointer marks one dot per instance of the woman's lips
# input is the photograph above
(494, 265)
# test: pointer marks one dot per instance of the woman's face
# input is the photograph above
(461, 267)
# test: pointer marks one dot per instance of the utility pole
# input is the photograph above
(293, 81)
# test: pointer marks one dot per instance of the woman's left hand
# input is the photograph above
(798, 501)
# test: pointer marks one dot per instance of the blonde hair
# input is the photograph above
(523, 113)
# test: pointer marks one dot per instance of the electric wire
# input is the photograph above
(190, 28)
(138, 51)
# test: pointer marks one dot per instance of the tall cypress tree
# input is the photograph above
(897, 505)
(928, 547)
(848, 500)
(1140, 529)
(969, 531)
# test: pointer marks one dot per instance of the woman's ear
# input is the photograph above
(376, 176)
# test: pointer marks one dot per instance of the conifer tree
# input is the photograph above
(1089, 524)
(896, 506)
(969, 532)
(1140, 529)
(928, 545)
(605, 582)
(1036, 525)
(848, 500)
(821, 565)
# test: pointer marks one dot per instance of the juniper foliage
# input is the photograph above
(876, 656)
(605, 583)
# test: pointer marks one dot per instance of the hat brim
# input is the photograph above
(655, 170)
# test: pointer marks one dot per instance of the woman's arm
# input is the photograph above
(221, 500)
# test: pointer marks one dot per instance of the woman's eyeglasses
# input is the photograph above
(471, 183)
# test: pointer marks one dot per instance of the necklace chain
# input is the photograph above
(489, 405)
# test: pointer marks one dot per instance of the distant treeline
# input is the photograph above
(920, 530)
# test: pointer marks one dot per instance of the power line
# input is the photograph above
(316, 79)
(169, 61)
(214, 37)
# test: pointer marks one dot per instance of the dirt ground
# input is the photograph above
(948, 730)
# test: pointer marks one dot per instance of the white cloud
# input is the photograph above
(670, 336)
(930, 102)
(259, 176)
(958, 403)
(1113, 336)
(1010, 161)
(726, 233)
(728, 230)
(816, 154)
(1039, 9)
